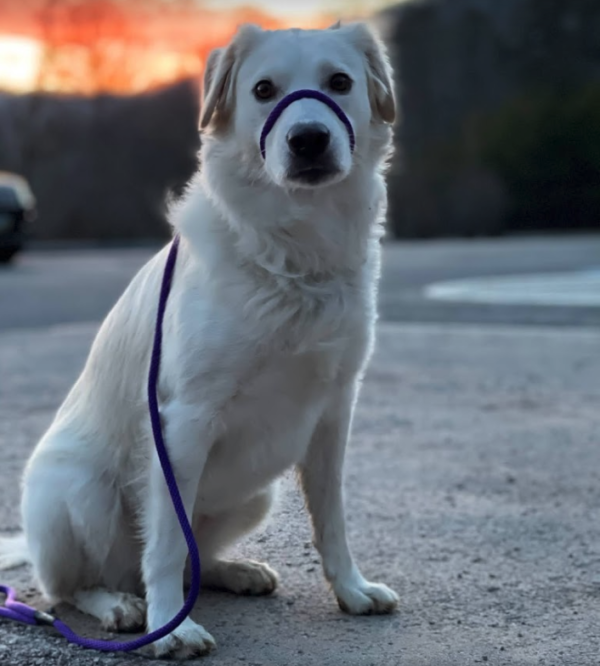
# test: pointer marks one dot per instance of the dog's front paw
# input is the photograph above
(187, 641)
(364, 598)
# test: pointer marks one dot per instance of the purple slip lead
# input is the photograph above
(305, 93)
(19, 612)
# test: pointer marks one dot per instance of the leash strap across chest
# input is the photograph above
(20, 612)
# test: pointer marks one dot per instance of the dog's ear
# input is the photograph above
(219, 74)
(217, 89)
(379, 71)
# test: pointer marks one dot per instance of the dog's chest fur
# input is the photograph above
(267, 327)
(278, 377)
(266, 428)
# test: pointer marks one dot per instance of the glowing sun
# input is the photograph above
(19, 63)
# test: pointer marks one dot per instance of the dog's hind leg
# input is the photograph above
(215, 533)
(117, 611)
(78, 543)
(55, 549)
(116, 601)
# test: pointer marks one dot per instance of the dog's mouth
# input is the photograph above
(315, 174)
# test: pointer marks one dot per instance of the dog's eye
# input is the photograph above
(264, 90)
(340, 83)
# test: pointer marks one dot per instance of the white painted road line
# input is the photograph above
(575, 289)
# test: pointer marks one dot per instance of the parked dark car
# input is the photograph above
(17, 210)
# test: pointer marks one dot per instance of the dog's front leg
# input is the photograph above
(165, 549)
(321, 477)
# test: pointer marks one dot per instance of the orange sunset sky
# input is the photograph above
(125, 46)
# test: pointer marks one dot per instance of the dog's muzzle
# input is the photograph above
(317, 138)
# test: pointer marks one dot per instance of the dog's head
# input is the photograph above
(310, 145)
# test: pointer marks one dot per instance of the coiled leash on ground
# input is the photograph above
(20, 612)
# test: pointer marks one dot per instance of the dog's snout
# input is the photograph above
(308, 141)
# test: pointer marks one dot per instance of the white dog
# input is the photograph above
(268, 328)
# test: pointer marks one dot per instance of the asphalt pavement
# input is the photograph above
(473, 479)
(80, 284)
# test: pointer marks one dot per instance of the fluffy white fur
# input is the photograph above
(268, 329)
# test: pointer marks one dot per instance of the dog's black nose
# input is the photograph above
(308, 140)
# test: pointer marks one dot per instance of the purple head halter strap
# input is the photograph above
(306, 93)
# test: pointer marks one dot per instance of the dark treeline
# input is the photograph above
(102, 167)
